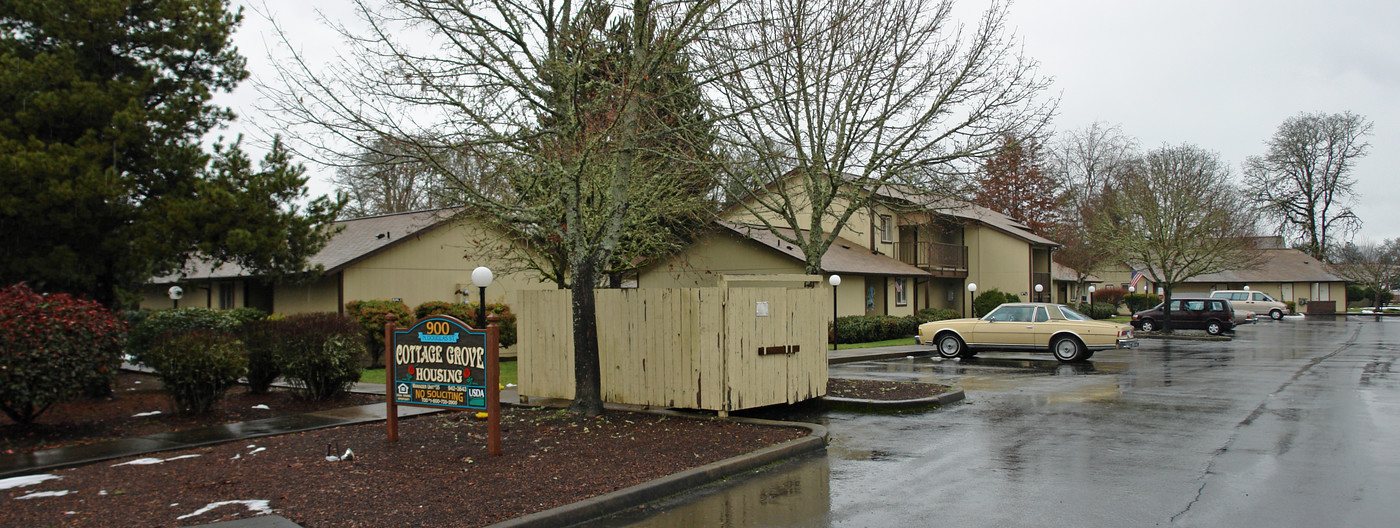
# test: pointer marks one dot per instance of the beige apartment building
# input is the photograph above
(891, 262)
(413, 257)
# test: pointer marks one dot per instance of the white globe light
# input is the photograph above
(1132, 289)
(1039, 288)
(482, 276)
(835, 280)
(1246, 288)
(972, 286)
(176, 293)
(1091, 288)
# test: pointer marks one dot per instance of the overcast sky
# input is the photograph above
(1222, 75)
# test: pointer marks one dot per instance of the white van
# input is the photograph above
(1253, 301)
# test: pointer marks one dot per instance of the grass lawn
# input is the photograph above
(888, 342)
(508, 375)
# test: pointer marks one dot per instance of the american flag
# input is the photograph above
(1137, 277)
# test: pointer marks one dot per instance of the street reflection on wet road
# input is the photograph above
(1292, 423)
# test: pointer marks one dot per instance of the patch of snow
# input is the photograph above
(236, 456)
(255, 451)
(149, 461)
(103, 492)
(262, 406)
(41, 494)
(509, 385)
(152, 413)
(27, 480)
(260, 507)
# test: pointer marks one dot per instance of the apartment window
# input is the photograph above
(900, 297)
(886, 229)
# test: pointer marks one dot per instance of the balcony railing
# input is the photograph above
(943, 260)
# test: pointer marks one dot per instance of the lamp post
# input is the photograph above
(835, 281)
(176, 293)
(1038, 288)
(481, 277)
(971, 291)
(1091, 294)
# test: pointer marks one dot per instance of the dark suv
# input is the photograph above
(1215, 316)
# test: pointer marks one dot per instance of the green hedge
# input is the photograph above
(321, 354)
(372, 315)
(467, 313)
(868, 328)
(1138, 302)
(152, 325)
(52, 348)
(197, 366)
(990, 299)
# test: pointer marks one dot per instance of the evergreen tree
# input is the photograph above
(103, 181)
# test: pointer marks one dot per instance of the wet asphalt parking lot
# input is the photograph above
(1293, 423)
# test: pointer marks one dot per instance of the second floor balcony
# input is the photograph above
(943, 260)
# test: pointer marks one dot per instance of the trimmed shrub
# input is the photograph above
(467, 312)
(321, 354)
(197, 366)
(245, 315)
(1292, 306)
(52, 348)
(990, 299)
(1138, 302)
(1111, 295)
(158, 323)
(260, 339)
(371, 316)
(867, 328)
(936, 314)
(1102, 310)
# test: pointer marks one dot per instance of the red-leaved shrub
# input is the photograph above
(52, 348)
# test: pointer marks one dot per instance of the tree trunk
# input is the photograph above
(588, 387)
(1167, 310)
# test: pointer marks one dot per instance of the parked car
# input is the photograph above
(1037, 327)
(1253, 301)
(1215, 316)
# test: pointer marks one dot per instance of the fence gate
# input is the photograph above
(750, 342)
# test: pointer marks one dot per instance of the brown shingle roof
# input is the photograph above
(1276, 265)
(844, 256)
(358, 238)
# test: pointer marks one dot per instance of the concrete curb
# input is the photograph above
(1181, 337)
(878, 356)
(895, 405)
(652, 490)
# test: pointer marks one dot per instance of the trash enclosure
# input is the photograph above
(749, 342)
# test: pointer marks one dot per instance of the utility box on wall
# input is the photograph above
(723, 349)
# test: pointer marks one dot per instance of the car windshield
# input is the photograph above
(1073, 315)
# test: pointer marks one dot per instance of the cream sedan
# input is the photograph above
(1039, 327)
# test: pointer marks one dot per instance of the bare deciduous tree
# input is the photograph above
(1178, 218)
(1304, 181)
(562, 100)
(1087, 163)
(382, 180)
(1374, 265)
(851, 99)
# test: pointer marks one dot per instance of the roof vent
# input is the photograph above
(382, 236)
(843, 246)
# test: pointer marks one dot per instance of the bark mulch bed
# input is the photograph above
(129, 413)
(883, 390)
(438, 473)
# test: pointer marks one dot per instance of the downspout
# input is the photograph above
(340, 293)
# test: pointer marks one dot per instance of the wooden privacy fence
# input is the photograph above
(750, 342)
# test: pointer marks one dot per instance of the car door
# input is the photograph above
(1009, 326)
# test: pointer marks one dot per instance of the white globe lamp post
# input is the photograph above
(482, 277)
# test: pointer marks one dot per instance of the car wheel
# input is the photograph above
(1148, 325)
(1214, 328)
(950, 346)
(1067, 349)
(1276, 314)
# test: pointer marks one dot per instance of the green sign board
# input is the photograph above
(439, 362)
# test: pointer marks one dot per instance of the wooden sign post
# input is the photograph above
(441, 362)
